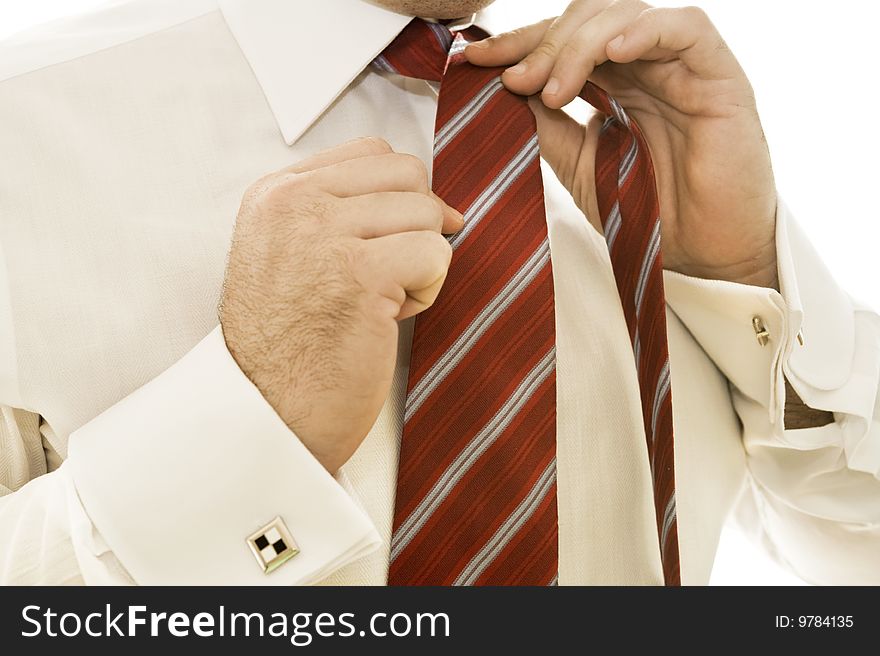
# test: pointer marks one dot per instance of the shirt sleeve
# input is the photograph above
(176, 477)
(46, 538)
(166, 486)
(814, 494)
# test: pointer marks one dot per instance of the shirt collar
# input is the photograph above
(305, 54)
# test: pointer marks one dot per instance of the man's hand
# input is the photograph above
(674, 74)
(328, 255)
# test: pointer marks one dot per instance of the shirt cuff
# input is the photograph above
(758, 337)
(176, 477)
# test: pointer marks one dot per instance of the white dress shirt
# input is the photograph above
(133, 449)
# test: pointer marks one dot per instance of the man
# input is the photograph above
(143, 443)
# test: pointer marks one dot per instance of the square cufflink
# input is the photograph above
(272, 545)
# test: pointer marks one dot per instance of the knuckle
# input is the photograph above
(650, 16)
(293, 182)
(258, 188)
(695, 14)
(630, 5)
(376, 145)
(432, 210)
(415, 167)
(288, 189)
(576, 49)
(439, 249)
(286, 204)
(547, 48)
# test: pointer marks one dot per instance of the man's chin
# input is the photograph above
(441, 9)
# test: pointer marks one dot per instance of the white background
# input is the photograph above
(811, 64)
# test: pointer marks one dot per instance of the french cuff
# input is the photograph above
(184, 480)
(758, 337)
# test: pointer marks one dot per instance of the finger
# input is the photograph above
(362, 147)
(531, 74)
(413, 267)
(508, 48)
(372, 173)
(390, 212)
(569, 148)
(687, 32)
(585, 50)
(453, 220)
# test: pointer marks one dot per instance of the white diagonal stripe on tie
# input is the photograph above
(474, 449)
(668, 517)
(444, 37)
(647, 265)
(383, 64)
(627, 162)
(555, 580)
(618, 112)
(637, 350)
(505, 533)
(464, 116)
(490, 195)
(612, 225)
(659, 395)
(475, 329)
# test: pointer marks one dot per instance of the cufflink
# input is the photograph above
(272, 545)
(761, 332)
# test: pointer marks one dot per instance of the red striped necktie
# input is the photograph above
(476, 488)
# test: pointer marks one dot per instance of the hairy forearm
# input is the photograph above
(799, 415)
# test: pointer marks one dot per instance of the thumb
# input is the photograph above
(560, 138)
(570, 149)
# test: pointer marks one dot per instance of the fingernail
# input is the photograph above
(519, 69)
(482, 45)
(551, 87)
(616, 42)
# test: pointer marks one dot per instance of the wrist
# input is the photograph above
(278, 390)
(758, 271)
(764, 276)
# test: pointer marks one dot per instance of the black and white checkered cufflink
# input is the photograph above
(272, 545)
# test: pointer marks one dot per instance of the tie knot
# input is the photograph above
(422, 50)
